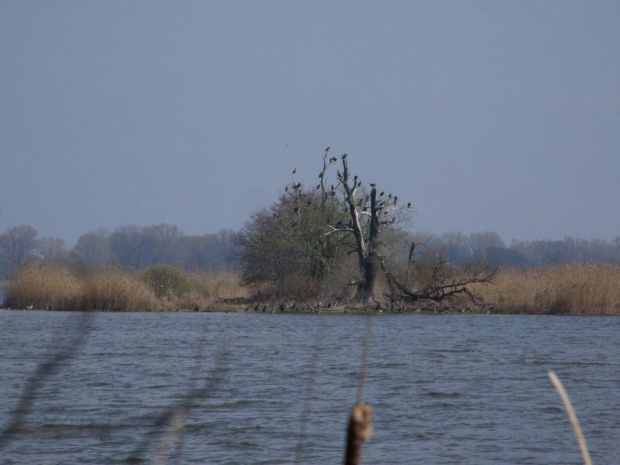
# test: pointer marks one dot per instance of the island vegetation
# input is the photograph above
(340, 244)
(570, 289)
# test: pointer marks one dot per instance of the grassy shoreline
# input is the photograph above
(577, 289)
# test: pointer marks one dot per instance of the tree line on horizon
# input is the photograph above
(133, 247)
(137, 247)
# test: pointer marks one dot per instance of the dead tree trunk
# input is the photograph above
(368, 271)
(365, 223)
(372, 261)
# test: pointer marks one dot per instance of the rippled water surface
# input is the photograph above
(445, 389)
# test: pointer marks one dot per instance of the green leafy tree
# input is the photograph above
(165, 280)
(309, 231)
(288, 238)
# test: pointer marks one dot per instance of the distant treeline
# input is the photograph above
(459, 248)
(134, 247)
(138, 247)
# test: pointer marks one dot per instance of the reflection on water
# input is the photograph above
(445, 389)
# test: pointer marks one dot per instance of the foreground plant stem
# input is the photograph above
(358, 431)
(572, 416)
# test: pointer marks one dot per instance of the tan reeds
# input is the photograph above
(117, 290)
(587, 289)
(576, 289)
(42, 286)
(572, 416)
(217, 285)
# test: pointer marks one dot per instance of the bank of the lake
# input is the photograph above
(577, 289)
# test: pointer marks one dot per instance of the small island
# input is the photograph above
(340, 246)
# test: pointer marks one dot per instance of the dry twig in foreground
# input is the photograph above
(572, 416)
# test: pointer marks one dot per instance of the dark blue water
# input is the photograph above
(445, 389)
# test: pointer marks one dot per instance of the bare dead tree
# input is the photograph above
(357, 217)
(310, 231)
(368, 214)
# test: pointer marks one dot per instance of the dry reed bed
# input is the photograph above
(42, 286)
(576, 289)
(572, 289)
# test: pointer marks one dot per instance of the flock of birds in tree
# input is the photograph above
(296, 186)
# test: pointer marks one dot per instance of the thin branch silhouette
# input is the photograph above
(192, 386)
(77, 338)
(165, 418)
(363, 364)
(299, 449)
(359, 428)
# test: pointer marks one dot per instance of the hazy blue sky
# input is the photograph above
(496, 115)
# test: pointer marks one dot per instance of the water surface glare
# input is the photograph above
(445, 389)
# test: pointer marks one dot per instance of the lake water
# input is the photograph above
(445, 389)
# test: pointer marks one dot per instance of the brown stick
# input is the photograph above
(358, 431)
(581, 440)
